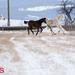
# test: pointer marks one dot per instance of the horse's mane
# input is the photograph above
(40, 20)
(59, 16)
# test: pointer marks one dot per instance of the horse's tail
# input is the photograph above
(25, 22)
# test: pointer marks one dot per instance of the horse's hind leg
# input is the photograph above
(31, 30)
(61, 29)
(37, 31)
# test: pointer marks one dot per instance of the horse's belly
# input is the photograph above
(53, 25)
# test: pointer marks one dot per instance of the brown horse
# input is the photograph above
(35, 24)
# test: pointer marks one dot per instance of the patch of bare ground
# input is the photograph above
(6, 46)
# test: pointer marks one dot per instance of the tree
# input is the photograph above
(67, 7)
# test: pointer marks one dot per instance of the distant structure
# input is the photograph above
(1, 17)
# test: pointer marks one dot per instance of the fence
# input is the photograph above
(69, 25)
(17, 28)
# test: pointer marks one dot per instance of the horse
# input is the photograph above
(35, 24)
(1, 17)
(55, 23)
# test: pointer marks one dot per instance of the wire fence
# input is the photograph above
(69, 25)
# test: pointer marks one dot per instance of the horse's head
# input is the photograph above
(61, 16)
(43, 20)
(46, 19)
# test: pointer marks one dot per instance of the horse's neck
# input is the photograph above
(47, 20)
(58, 19)
(40, 21)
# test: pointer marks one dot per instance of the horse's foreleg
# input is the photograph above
(37, 31)
(41, 29)
(51, 30)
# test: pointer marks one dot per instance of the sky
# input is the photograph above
(30, 9)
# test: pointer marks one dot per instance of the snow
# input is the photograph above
(44, 54)
(55, 30)
(13, 22)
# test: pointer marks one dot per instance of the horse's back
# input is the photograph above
(52, 23)
(31, 22)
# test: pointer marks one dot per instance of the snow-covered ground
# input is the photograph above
(44, 54)
(12, 22)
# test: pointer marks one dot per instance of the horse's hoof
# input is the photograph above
(36, 33)
(41, 32)
(28, 33)
(52, 34)
(64, 33)
(58, 31)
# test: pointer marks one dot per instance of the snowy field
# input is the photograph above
(12, 22)
(44, 54)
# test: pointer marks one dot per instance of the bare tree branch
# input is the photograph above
(68, 8)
